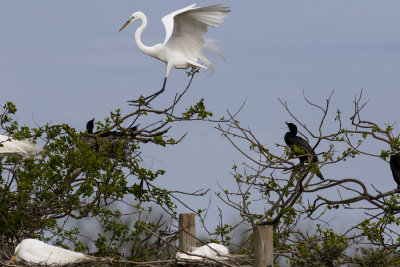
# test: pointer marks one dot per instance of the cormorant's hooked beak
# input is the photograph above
(286, 123)
(126, 24)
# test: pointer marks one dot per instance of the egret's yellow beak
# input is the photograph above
(126, 24)
(13, 257)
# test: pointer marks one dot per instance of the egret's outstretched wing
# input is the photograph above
(168, 20)
(186, 28)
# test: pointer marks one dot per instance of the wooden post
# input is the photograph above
(264, 250)
(187, 228)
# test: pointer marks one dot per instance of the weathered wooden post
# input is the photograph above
(263, 247)
(187, 228)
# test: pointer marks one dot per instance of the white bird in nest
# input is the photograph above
(184, 41)
(10, 146)
(211, 250)
(37, 252)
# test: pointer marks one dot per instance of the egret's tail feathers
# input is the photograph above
(30, 149)
(214, 46)
(211, 15)
(207, 63)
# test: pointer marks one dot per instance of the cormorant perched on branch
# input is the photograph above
(395, 167)
(291, 139)
(90, 127)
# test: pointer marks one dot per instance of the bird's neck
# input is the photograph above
(288, 137)
(138, 35)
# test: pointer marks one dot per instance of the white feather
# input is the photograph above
(211, 250)
(11, 147)
(37, 252)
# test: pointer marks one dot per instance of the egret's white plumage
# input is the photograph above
(37, 252)
(11, 147)
(185, 37)
(211, 250)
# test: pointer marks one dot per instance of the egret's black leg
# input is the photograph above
(156, 94)
(149, 98)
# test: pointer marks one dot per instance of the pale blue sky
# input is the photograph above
(67, 62)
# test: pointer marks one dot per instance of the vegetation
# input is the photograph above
(84, 176)
(89, 177)
(291, 193)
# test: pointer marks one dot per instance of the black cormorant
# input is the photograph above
(90, 126)
(395, 167)
(291, 139)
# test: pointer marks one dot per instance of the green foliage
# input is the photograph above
(371, 257)
(73, 177)
(322, 249)
(223, 231)
(198, 109)
(385, 154)
(294, 151)
(378, 227)
(6, 120)
(288, 215)
(81, 176)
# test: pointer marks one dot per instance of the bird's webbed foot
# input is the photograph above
(141, 101)
(145, 101)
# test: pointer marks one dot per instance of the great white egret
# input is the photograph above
(211, 250)
(291, 139)
(12, 147)
(37, 252)
(184, 41)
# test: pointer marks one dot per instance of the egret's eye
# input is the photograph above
(131, 18)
